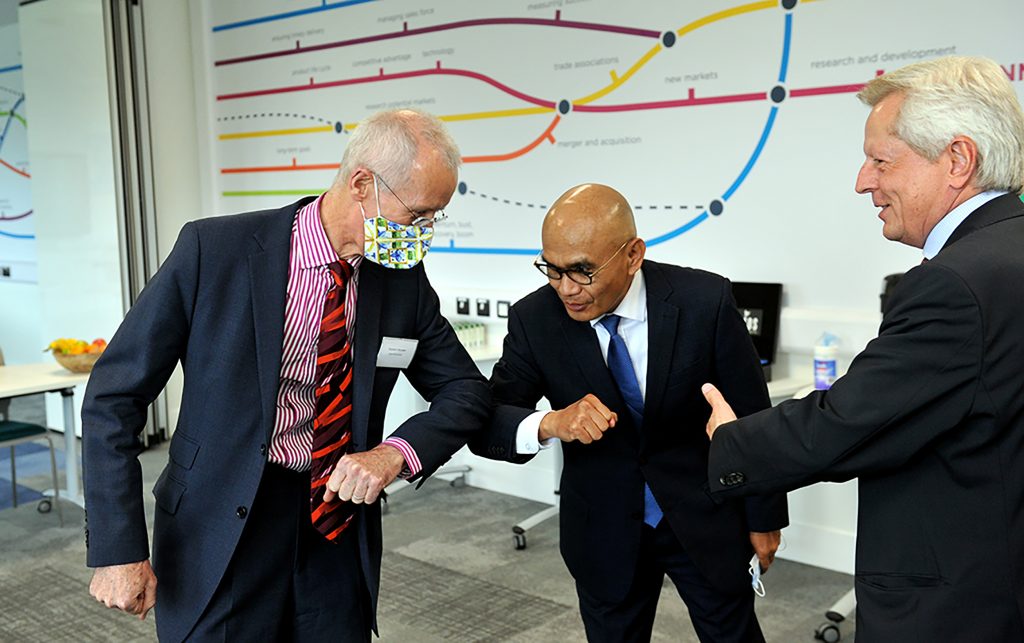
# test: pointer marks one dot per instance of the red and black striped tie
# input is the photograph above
(332, 424)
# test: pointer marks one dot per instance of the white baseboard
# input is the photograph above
(819, 546)
(534, 480)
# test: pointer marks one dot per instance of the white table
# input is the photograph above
(50, 377)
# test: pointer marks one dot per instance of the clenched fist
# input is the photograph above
(130, 587)
(585, 421)
(360, 477)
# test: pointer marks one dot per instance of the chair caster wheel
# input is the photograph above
(520, 541)
(44, 506)
(828, 632)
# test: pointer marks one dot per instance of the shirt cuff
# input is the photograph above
(412, 461)
(528, 433)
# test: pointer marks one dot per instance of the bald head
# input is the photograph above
(591, 214)
(590, 241)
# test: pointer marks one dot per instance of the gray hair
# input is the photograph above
(958, 96)
(388, 143)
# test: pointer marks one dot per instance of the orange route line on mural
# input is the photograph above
(489, 158)
(14, 169)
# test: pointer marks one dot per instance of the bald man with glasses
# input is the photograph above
(619, 346)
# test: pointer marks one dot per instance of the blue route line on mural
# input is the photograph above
(16, 236)
(290, 14)
(753, 157)
(10, 117)
(451, 248)
(4, 70)
(785, 48)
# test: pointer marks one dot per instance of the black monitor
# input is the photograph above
(760, 305)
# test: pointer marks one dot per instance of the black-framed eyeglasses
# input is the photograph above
(419, 218)
(582, 277)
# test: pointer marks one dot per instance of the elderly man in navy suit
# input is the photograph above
(292, 326)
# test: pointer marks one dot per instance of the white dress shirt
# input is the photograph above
(943, 230)
(632, 328)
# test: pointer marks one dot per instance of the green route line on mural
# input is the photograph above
(17, 116)
(271, 192)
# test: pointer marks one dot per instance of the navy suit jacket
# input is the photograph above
(930, 418)
(217, 305)
(695, 335)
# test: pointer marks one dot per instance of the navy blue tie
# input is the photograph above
(621, 367)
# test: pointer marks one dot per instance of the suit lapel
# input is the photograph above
(662, 327)
(582, 342)
(998, 209)
(367, 343)
(268, 283)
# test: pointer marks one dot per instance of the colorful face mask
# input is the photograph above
(393, 245)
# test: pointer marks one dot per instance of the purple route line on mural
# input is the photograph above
(461, 24)
(15, 217)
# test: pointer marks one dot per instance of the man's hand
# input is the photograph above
(585, 420)
(721, 412)
(360, 477)
(130, 587)
(765, 545)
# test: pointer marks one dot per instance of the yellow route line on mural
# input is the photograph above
(500, 113)
(726, 13)
(617, 81)
(277, 132)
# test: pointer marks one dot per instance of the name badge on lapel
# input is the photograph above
(396, 352)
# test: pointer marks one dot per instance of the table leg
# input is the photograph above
(71, 448)
(73, 492)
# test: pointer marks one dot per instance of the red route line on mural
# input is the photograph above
(547, 133)
(16, 217)
(691, 100)
(406, 32)
(14, 169)
(436, 71)
(821, 91)
(663, 104)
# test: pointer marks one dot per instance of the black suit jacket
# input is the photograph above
(695, 336)
(930, 417)
(217, 304)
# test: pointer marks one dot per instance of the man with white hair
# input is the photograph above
(292, 326)
(930, 416)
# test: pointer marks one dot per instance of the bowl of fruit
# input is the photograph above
(76, 355)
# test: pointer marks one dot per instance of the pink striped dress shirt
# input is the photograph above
(308, 283)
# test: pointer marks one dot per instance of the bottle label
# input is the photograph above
(824, 373)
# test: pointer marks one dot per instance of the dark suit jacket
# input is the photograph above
(930, 417)
(695, 336)
(217, 305)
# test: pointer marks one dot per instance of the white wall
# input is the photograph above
(73, 191)
(20, 335)
(172, 110)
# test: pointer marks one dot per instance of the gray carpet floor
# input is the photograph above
(451, 573)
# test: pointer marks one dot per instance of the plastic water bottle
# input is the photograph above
(825, 352)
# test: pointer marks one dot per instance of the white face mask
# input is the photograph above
(390, 244)
(755, 576)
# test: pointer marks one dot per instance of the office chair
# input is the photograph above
(13, 433)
